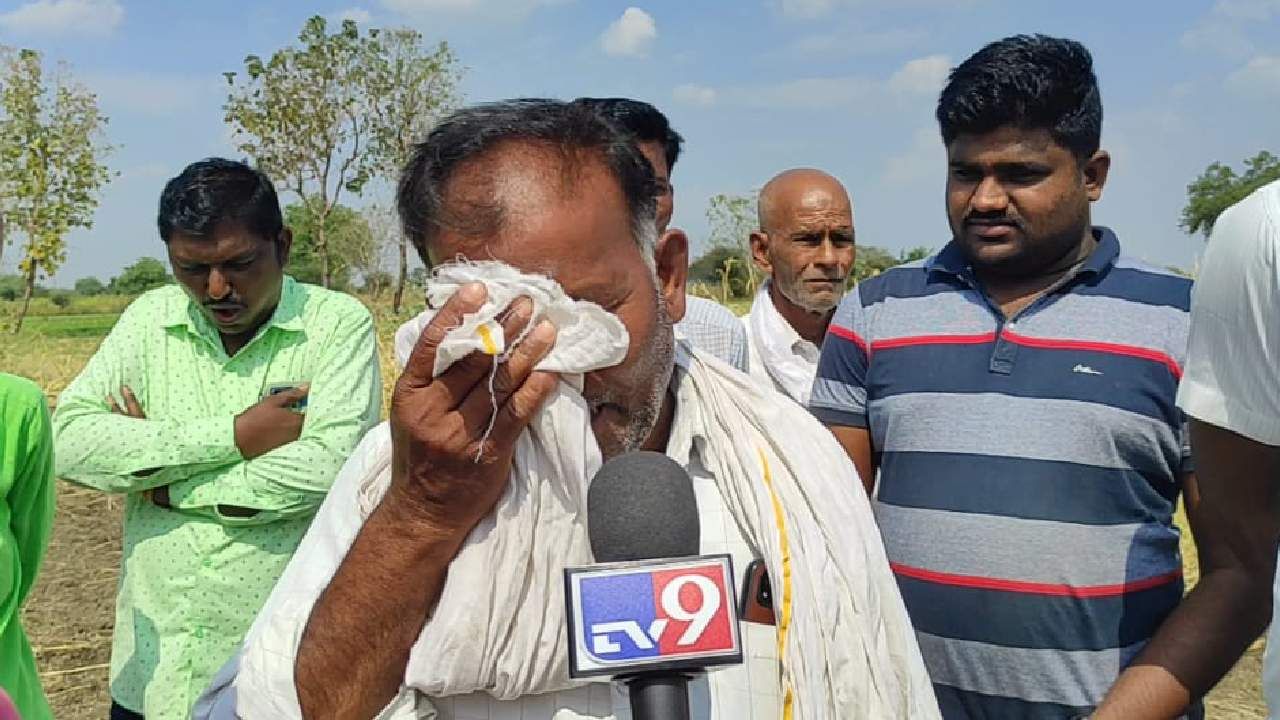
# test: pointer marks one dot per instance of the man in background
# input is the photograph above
(1016, 393)
(707, 324)
(1231, 391)
(222, 408)
(26, 518)
(805, 249)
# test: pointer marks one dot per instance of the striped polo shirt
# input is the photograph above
(1029, 469)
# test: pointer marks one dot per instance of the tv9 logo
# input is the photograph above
(653, 614)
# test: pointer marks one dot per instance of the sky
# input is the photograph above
(755, 87)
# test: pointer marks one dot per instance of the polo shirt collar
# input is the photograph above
(952, 260)
(185, 312)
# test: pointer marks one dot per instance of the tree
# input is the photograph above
(303, 115)
(51, 169)
(346, 234)
(372, 259)
(732, 219)
(871, 261)
(721, 267)
(145, 274)
(89, 286)
(1219, 187)
(410, 87)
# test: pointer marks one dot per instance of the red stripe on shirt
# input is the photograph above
(933, 340)
(1102, 347)
(1033, 588)
(847, 334)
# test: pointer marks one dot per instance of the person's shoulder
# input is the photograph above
(1252, 225)
(710, 312)
(322, 304)
(16, 390)
(1142, 282)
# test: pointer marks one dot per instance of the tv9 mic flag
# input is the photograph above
(650, 615)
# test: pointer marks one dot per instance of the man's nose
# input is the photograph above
(827, 254)
(990, 197)
(218, 285)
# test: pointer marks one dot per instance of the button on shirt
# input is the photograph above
(1029, 473)
(194, 576)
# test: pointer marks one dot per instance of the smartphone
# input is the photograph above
(757, 595)
(277, 388)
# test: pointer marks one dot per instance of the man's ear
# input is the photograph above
(671, 259)
(760, 251)
(1095, 174)
(284, 243)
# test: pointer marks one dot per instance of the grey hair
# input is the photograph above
(572, 129)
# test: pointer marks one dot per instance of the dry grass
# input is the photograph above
(70, 613)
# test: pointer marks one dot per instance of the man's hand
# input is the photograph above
(445, 478)
(444, 468)
(270, 423)
(131, 406)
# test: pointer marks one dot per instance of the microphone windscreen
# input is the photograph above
(641, 506)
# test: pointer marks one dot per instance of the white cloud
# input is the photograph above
(357, 14)
(922, 76)
(64, 17)
(923, 161)
(693, 94)
(630, 35)
(1260, 77)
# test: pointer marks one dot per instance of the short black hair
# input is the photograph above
(644, 121)
(213, 191)
(1028, 81)
(572, 130)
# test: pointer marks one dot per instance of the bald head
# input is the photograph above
(805, 241)
(797, 190)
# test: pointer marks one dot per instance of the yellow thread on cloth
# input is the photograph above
(486, 337)
(784, 622)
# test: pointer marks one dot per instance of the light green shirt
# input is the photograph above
(193, 578)
(26, 516)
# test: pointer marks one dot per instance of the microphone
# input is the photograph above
(651, 612)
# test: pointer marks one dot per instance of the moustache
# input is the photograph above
(993, 220)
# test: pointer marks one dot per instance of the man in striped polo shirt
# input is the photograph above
(1016, 393)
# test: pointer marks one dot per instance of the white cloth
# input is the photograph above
(1232, 376)
(778, 355)
(848, 649)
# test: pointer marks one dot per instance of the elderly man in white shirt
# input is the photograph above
(391, 607)
(1231, 392)
(805, 247)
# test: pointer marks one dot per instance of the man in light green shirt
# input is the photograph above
(176, 411)
(26, 516)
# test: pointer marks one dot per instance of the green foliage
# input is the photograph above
(61, 300)
(732, 219)
(722, 268)
(89, 286)
(51, 169)
(145, 274)
(871, 261)
(1219, 187)
(11, 287)
(347, 235)
(327, 115)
